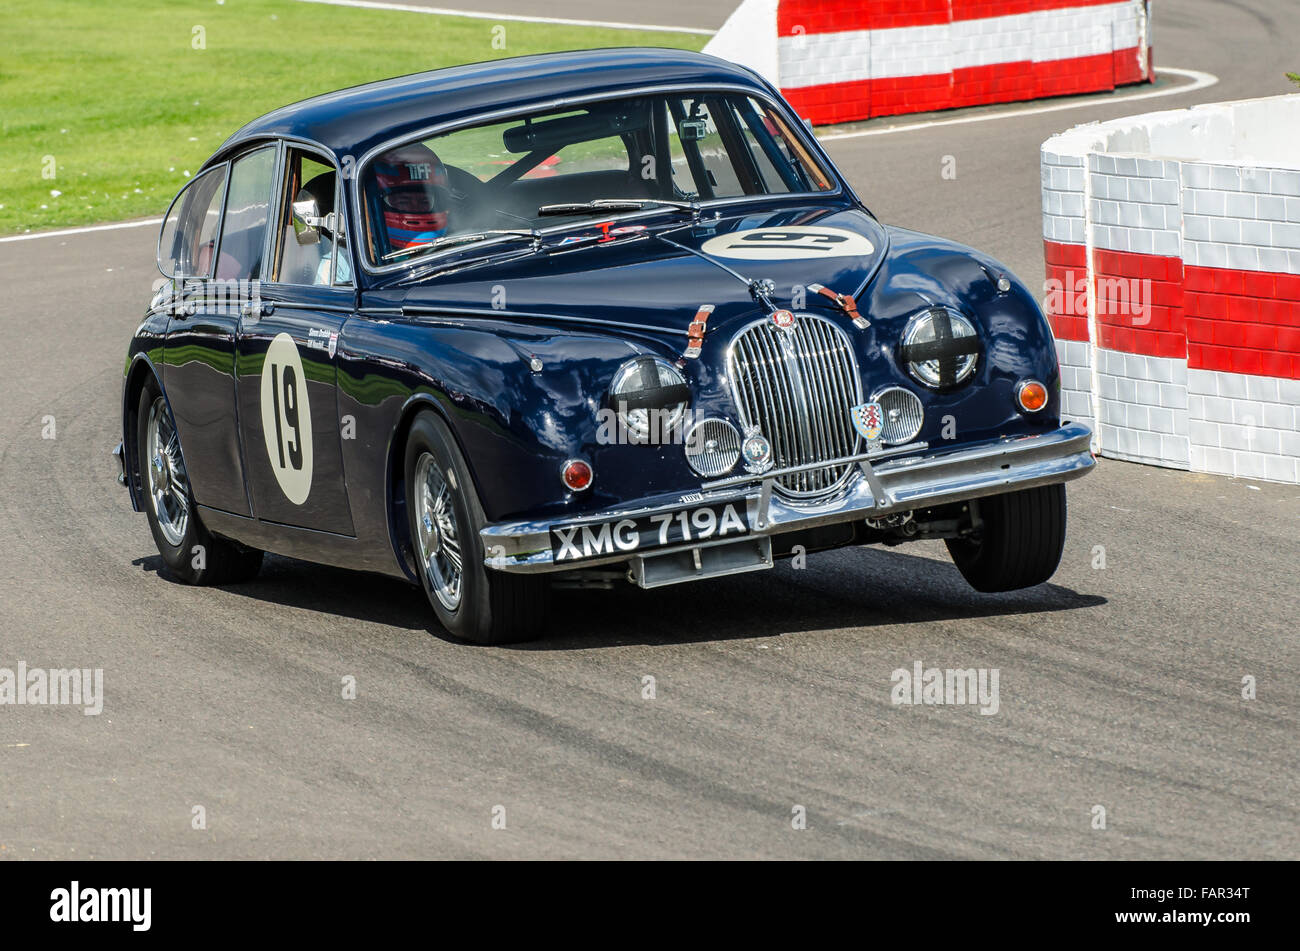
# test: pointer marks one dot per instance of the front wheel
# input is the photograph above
(445, 518)
(1018, 543)
(189, 551)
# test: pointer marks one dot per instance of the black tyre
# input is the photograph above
(189, 551)
(1020, 542)
(445, 518)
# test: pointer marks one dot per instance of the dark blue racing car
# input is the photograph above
(607, 316)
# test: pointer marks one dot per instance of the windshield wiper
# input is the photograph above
(617, 204)
(452, 240)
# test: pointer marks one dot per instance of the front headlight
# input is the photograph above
(940, 348)
(650, 396)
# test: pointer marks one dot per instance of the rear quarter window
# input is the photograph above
(187, 243)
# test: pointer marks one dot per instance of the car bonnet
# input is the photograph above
(659, 274)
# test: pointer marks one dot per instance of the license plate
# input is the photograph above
(621, 536)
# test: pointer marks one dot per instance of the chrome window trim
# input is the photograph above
(796, 128)
(304, 145)
(341, 202)
(277, 180)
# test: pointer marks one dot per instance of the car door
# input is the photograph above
(198, 361)
(287, 344)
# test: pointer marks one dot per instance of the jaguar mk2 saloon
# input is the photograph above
(600, 317)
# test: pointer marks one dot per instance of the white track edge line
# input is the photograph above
(67, 231)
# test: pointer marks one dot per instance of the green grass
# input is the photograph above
(113, 91)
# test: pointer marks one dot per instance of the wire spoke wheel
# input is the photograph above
(169, 487)
(472, 600)
(438, 533)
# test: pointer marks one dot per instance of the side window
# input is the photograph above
(248, 202)
(188, 239)
(310, 233)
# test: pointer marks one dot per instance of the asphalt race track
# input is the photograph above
(1120, 686)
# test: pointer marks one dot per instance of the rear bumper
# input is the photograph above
(895, 480)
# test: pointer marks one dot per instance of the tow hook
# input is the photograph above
(899, 521)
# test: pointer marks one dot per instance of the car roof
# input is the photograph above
(352, 121)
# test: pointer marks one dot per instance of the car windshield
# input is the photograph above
(579, 164)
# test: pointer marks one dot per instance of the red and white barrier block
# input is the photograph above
(1172, 243)
(843, 60)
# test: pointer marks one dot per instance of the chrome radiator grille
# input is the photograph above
(798, 386)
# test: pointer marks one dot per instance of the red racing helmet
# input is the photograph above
(412, 186)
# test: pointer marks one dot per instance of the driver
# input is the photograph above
(413, 191)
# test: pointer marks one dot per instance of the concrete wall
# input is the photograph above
(844, 60)
(1174, 240)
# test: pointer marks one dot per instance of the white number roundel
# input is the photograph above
(286, 418)
(788, 243)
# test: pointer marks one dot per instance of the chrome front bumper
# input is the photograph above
(897, 479)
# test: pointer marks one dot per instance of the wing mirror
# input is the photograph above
(308, 222)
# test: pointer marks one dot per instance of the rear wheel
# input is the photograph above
(1019, 543)
(189, 551)
(445, 519)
